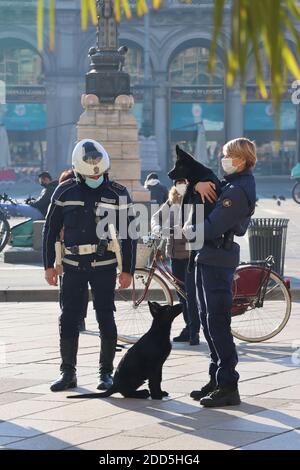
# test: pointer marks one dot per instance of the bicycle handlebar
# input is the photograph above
(268, 262)
(5, 198)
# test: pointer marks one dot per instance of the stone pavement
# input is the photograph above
(31, 417)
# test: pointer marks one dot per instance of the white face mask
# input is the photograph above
(227, 166)
(181, 188)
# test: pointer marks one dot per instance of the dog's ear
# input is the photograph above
(182, 154)
(178, 151)
(154, 308)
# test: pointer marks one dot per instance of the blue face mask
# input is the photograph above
(94, 184)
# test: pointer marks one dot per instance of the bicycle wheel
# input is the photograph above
(4, 232)
(134, 321)
(255, 324)
(296, 192)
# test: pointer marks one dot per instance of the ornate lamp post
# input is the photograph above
(105, 78)
(107, 103)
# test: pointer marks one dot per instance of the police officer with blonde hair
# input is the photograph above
(79, 205)
(216, 264)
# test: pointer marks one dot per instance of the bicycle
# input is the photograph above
(5, 230)
(261, 298)
(295, 175)
(296, 191)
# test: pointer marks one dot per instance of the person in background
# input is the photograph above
(159, 192)
(176, 250)
(43, 201)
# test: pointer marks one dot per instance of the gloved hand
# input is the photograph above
(29, 200)
(188, 231)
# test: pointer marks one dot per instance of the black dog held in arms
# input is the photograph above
(145, 360)
(186, 167)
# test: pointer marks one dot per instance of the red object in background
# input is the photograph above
(247, 283)
(8, 175)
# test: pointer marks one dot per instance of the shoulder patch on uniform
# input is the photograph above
(68, 182)
(227, 203)
(118, 185)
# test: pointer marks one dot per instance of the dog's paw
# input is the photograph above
(165, 394)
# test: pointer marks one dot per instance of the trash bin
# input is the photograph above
(268, 237)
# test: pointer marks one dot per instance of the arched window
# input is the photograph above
(23, 115)
(189, 67)
(20, 65)
(197, 104)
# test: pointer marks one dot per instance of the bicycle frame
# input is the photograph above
(262, 289)
(3, 215)
(158, 264)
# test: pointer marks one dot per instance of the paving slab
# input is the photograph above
(61, 439)
(208, 439)
(24, 427)
(287, 441)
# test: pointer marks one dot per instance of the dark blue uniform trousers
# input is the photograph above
(74, 286)
(190, 307)
(214, 294)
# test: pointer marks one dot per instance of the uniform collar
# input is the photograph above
(234, 176)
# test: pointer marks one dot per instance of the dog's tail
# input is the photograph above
(105, 394)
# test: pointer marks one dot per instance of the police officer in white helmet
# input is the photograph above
(80, 205)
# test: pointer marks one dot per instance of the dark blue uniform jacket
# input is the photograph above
(231, 215)
(78, 208)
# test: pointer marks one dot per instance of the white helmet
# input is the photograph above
(89, 158)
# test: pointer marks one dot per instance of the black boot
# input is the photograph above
(105, 381)
(107, 355)
(67, 379)
(205, 391)
(184, 337)
(222, 397)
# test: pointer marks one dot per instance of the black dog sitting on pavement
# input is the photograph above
(145, 360)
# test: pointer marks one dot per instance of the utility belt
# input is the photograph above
(100, 249)
(103, 247)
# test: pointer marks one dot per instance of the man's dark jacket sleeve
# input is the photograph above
(43, 201)
(52, 228)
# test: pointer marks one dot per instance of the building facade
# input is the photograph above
(175, 98)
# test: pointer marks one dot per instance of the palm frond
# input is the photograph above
(40, 24)
(52, 12)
